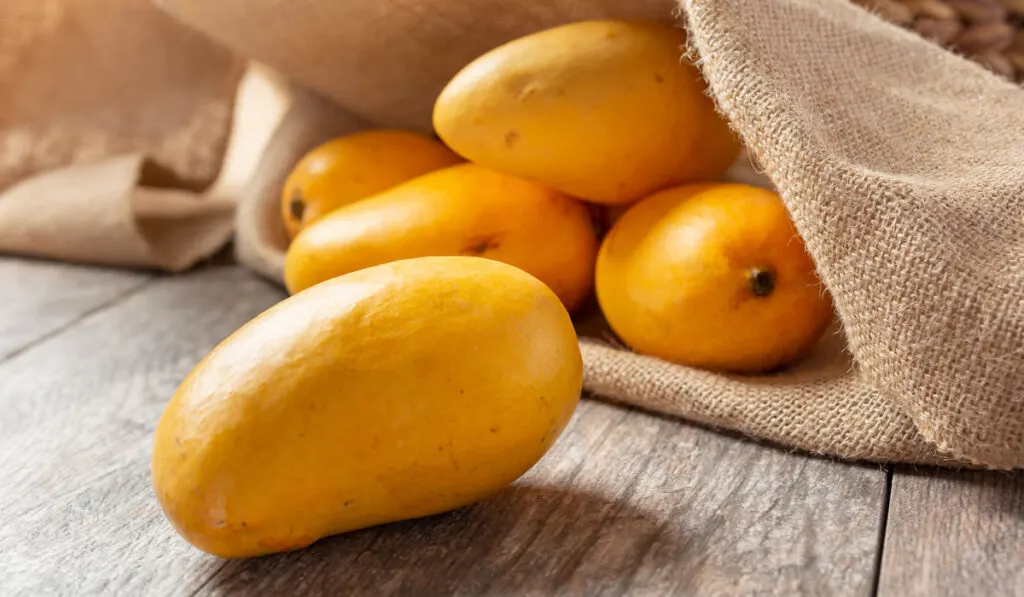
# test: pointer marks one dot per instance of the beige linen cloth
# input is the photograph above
(902, 165)
(127, 138)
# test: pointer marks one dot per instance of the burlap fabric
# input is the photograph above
(903, 168)
(902, 165)
(127, 138)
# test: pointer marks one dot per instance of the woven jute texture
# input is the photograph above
(902, 165)
(903, 168)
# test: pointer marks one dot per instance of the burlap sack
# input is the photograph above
(128, 139)
(903, 168)
(902, 165)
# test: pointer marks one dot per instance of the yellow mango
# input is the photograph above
(712, 275)
(399, 391)
(461, 210)
(353, 167)
(607, 111)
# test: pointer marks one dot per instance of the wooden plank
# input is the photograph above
(39, 298)
(954, 533)
(626, 502)
(77, 412)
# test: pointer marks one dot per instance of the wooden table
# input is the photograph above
(626, 503)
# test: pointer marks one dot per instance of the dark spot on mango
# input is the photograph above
(297, 205)
(494, 429)
(658, 78)
(480, 245)
(511, 138)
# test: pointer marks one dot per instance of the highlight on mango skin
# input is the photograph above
(398, 391)
(426, 357)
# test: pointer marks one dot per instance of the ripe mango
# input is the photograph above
(395, 392)
(712, 275)
(354, 167)
(461, 210)
(607, 111)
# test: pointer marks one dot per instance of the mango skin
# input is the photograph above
(396, 392)
(461, 210)
(353, 167)
(674, 280)
(607, 111)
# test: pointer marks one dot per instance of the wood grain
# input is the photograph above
(39, 298)
(954, 533)
(626, 502)
(77, 411)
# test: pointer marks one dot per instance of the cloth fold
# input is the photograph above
(903, 168)
(165, 136)
(104, 213)
(113, 125)
(901, 164)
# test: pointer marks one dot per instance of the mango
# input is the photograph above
(353, 167)
(399, 391)
(606, 111)
(460, 210)
(715, 276)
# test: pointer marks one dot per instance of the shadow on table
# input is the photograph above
(527, 539)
